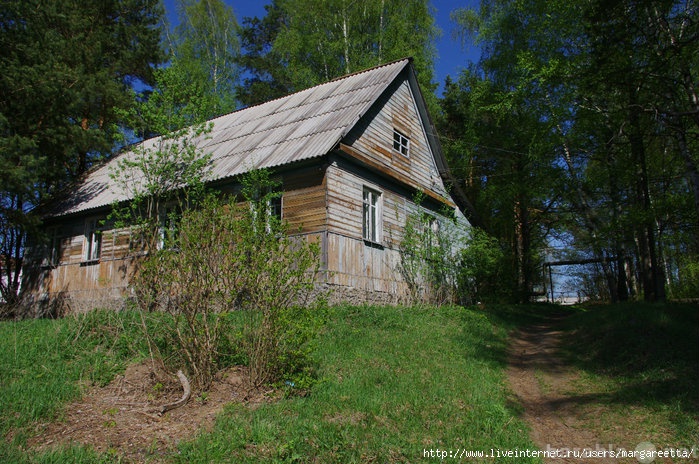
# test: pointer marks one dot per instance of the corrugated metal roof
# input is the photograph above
(300, 126)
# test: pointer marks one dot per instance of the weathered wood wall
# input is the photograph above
(84, 284)
(373, 137)
(321, 201)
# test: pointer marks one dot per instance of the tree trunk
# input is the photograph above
(651, 272)
(692, 170)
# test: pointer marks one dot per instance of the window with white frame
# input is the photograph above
(372, 215)
(274, 210)
(401, 143)
(268, 205)
(53, 255)
(92, 245)
(168, 228)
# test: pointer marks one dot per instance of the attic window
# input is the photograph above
(401, 143)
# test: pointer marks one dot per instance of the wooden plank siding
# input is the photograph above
(303, 206)
(373, 138)
(324, 154)
(303, 201)
(351, 261)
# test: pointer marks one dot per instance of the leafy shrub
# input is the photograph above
(481, 262)
(234, 256)
(429, 257)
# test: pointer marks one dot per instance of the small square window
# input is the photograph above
(401, 143)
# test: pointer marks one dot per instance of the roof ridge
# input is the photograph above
(382, 65)
(339, 78)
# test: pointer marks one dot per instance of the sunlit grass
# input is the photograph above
(393, 384)
(396, 382)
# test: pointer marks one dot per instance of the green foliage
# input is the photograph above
(235, 257)
(265, 77)
(480, 274)
(157, 179)
(203, 49)
(686, 283)
(66, 71)
(294, 50)
(548, 134)
(429, 250)
(641, 356)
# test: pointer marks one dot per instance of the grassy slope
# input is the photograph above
(394, 382)
(639, 372)
(45, 364)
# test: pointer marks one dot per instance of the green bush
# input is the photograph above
(234, 256)
(479, 273)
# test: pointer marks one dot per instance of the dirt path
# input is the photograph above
(121, 418)
(542, 384)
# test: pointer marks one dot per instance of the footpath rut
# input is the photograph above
(540, 381)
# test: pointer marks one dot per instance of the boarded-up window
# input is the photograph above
(372, 215)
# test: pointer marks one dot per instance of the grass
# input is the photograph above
(394, 383)
(639, 371)
(46, 363)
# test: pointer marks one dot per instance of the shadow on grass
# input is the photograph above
(650, 353)
(638, 354)
(517, 316)
(493, 350)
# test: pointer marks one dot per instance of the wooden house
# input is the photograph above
(351, 154)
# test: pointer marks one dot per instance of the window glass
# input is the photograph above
(401, 143)
(93, 240)
(372, 215)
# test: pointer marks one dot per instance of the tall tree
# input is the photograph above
(205, 46)
(67, 71)
(265, 76)
(340, 37)
(612, 85)
(500, 135)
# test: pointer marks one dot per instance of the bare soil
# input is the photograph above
(123, 418)
(542, 384)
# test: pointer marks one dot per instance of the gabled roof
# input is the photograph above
(300, 126)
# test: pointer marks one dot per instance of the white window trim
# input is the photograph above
(270, 207)
(167, 227)
(92, 240)
(267, 204)
(401, 143)
(372, 215)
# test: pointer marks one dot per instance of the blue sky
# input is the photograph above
(452, 57)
